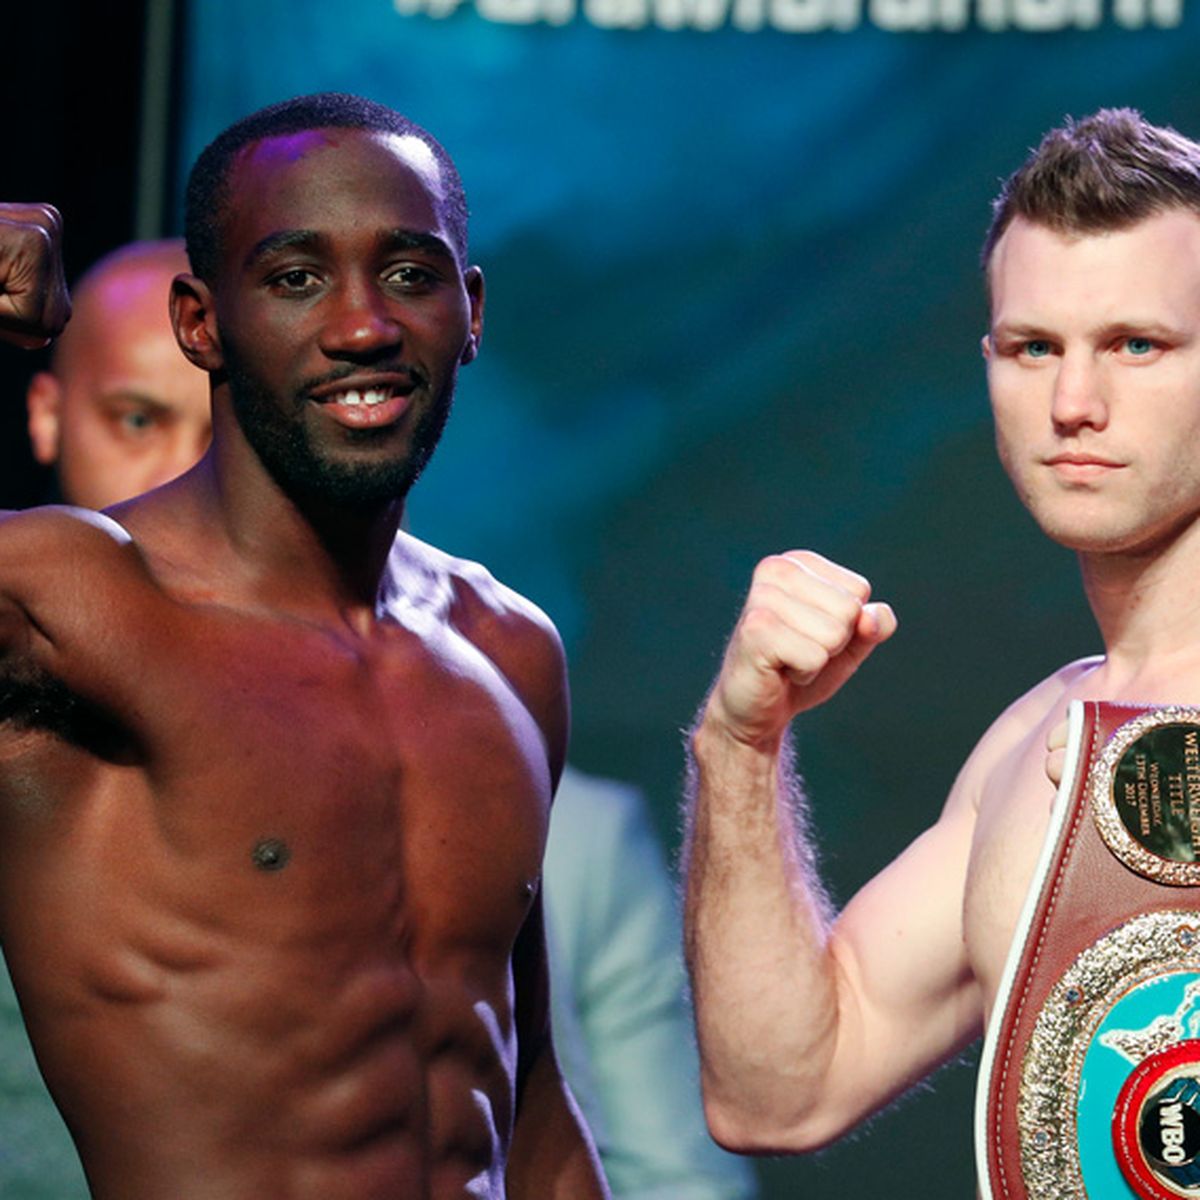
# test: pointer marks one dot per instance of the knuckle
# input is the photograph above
(759, 623)
(47, 216)
(772, 569)
(845, 608)
(35, 237)
(858, 586)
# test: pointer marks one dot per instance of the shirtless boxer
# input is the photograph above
(121, 411)
(808, 1024)
(275, 776)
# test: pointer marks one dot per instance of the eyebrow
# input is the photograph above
(310, 239)
(1017, 330)
(282, 239)
(1126, 328)
(411, 239)
(124, 396)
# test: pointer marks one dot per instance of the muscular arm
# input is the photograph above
(34, 307)
(552, 1157)
(60, 569)
(807, 1024)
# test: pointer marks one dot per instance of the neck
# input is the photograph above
(1147, 605)
(296, 553)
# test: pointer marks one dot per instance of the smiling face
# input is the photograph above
(1094, 374)
(341, 311)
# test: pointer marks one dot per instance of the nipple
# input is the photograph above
(271, 854)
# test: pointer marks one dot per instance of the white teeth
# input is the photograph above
(373, 396)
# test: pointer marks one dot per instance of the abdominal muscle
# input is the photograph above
(212, 1033)
(364, 1082)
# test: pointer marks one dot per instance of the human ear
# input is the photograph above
(473, 279)
(43, 402)
(985, 344)
(195, 323)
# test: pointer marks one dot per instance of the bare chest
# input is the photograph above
(1014, 810)
(274, 776)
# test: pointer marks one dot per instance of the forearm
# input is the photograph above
(757, 944)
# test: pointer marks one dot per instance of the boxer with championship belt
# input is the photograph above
(1090, 1079)
(809, 1022)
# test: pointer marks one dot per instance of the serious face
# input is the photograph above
(1094, 373)
(122, 411)
(342, 310)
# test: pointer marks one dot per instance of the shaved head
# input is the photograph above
(120, 410)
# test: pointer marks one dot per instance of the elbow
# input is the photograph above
(759, 1132)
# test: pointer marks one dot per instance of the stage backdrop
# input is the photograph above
(734, 307)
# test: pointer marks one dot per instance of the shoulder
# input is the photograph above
(470, 599)
(1034, 707)
(64, 572)
(62, 522)
(1031, 714)
(40, 547)
(512, 632)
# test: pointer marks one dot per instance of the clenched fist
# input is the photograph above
(806, 627)
(34, 305)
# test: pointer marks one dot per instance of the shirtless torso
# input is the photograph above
(274, 777)
(261, 877)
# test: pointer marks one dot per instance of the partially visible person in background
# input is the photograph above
(121, 411)
(618, 999)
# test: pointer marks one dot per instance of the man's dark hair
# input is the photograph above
(1103, 173)
(206, 206)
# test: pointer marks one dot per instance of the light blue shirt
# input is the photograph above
(619, 1011)
(37, 1157)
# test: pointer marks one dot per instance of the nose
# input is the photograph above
(360, 323)
(1079, 398)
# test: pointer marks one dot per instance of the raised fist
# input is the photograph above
(806, 627)
(34, 304)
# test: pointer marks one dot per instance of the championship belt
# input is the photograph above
(1090, 1079)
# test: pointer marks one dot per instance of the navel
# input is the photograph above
(271, 854)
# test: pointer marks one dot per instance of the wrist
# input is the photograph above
(716, 744)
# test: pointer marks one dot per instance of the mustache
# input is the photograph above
(414, 374)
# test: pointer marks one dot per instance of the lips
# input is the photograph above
(366, 401)
(1081, 466)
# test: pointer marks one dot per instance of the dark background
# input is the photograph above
(734, 307)
(71, 87)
